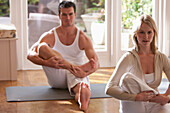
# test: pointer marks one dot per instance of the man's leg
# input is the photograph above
(82, 95)
(46, 52)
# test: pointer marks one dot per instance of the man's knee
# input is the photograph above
(44, 51)
(42, 47)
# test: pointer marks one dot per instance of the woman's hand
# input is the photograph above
(160, 98)
(145, 96)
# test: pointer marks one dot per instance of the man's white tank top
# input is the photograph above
(71, 53)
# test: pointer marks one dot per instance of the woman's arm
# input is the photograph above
(164, 98)
(113, 88)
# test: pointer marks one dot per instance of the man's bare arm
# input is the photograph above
(34, 57)
(93, 64)
(33, 54)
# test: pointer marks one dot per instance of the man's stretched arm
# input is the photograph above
(93, 64)
(91, 55)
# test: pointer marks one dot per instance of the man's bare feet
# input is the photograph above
(88, 66)
(84, 96)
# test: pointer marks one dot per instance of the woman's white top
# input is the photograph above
(149, 78)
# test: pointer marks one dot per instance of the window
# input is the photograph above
(4, 12)
(43, 11)
(91, 20)
(131, 9)
(42, 16)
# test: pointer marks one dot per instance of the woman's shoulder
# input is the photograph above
(128, 56)
(161, 55)
(131, 52)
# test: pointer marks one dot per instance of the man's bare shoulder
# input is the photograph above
(48, 37)
(58, 29)
(84, 41)
(83, 36)
(47, 34)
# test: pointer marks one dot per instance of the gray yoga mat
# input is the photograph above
(35, 93)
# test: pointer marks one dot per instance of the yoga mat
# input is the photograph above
(35, 93)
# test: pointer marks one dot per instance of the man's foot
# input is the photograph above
(84, 96)
(88, 66)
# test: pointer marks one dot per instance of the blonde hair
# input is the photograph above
(151, 23)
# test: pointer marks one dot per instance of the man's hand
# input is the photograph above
(78, 72)
(145, 96)
(55, 62)
(160, 98)
(84, 70)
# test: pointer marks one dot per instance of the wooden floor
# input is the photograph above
(38, 78)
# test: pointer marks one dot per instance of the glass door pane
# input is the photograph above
(42, 16)
(91, 20)
(131, 9)
(4, 12)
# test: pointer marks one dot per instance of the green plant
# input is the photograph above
(4, 7)
(93, 10)
(33, 2)
(95, 6)
(131, 9)
(101, 3)
(101, 16)
(98, 8)
(78, 0)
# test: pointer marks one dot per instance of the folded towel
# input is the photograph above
(7, 31)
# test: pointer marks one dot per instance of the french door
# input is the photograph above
(108, 53)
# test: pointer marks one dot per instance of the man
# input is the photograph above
(61, 51)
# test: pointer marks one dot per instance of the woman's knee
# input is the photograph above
(127, 77)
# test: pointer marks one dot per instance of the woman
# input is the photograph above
(139, 72)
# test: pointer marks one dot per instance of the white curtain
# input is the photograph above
(161, 14)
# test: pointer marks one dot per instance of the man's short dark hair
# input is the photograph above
(66, 4)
